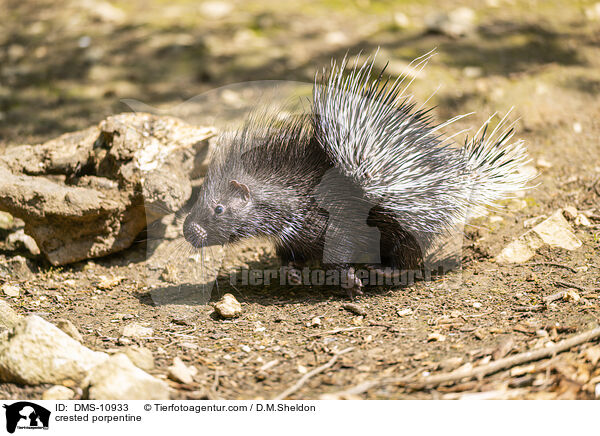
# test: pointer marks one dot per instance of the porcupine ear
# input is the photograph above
(242, 189)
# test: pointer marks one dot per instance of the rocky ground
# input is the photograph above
(67, 68)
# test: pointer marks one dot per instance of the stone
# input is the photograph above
(16, 267)
(554, 231)
(543, 163)
(315, 322)
(404, 312)
(592, 13)
(137, 169)
(103, 11)
(124, 341)
(10, 290)
(180, 372)
(58, 392)
(140, 357)
(401, 20)
(215, 9)
(117, 378)
(436, 337)
(583, 221)
(228, 307)
(570, 212)
(69, 328)
(19, 240)
(135, 330)
(6, 221)
(456, 23)
(8, 317)
(35, 351)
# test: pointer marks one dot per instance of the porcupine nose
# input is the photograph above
(193, 232)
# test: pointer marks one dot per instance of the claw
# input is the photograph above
(294, 277)
(293, 273)
(354, 286)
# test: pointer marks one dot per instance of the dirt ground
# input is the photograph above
(66, 67)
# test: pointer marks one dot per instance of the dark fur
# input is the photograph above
(281, 164)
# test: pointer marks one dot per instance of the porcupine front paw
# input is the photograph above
(353, 285)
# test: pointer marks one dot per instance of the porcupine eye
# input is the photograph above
(219, 209)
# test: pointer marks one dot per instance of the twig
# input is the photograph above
(478, 372)
(310, 374)
(575, 286)
(334, 331)
(213, 395)
(532, 308)
(550, 298)
(557, 265)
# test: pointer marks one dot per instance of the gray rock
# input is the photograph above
(119, 379)
(136, 171)
(35, 351)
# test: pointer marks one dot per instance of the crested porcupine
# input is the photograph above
(365, 177)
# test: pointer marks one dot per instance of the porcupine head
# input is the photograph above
(257, 183)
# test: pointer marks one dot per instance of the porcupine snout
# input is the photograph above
(194, 233)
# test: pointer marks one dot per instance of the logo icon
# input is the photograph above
(26, 415)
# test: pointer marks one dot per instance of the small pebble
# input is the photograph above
(570, 212)
(401, 20)
(124, 341)
(435, 336)
(543, 163)
(354, 308)
(58, 392)
(582, 221)
(188, 345)
(571, 295)
(228, 307)
(135, 330)
(180, 372)
(315, 322)
(404, 312)
(11, 290)
(477, 305)
(420, 356)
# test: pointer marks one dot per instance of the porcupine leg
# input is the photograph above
(401, 251)
(353, 285)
